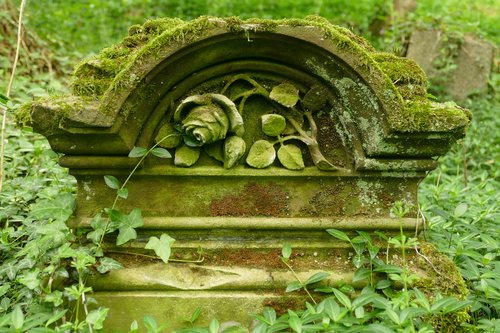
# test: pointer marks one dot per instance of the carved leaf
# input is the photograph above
(186, 156)
(215, 150)
(286, 94)
(234, 149)
(261, 154)
(315, 98)
(168, 137)
(273, 124)
(291, 157)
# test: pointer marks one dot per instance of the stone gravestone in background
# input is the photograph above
(473, 61)
(279, 130)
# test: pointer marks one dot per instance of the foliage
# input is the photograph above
(461, 202)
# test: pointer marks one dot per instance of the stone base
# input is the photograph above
(175, 308)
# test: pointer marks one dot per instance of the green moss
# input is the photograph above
(402, 82)
(96, 75)
(442, 278)
(23, 114)
(400, 70)
(422, 115)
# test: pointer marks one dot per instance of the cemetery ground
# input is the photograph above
(40, 273)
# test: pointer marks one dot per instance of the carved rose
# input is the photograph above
(208, 118)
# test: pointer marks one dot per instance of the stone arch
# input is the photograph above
(124, 104)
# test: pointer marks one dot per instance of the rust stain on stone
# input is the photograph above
(254, 200)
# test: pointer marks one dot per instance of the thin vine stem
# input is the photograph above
(299, 280)
(143, 157)
(9, 88)
(197, 261)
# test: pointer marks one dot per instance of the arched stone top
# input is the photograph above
(377, 101)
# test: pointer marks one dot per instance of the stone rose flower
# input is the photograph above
(208, 118)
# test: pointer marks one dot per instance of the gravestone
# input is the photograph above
(279, 130)
(472, 60)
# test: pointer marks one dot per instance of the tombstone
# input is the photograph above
(473, 61)
(279, 130)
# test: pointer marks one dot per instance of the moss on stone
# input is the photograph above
(401, 81)
(442, 278)
(400, 70)
(23, 114)
(422, 115)
(94, 76)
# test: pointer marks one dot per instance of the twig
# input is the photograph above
(197, 261)
(9, 87)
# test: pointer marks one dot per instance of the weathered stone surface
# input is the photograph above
(424, 48)
(473, 61)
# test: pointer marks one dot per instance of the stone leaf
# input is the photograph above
(168, 137)
(286, 94)
(261, 154)
(315, 99)
(234, 149)
(273, 124)
(290, 157)
(186, 156)
(215, 150)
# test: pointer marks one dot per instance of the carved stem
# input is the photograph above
(319, 160)
(312, 124)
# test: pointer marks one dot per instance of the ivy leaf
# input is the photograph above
(107, 264)
(161, 246)
(59, 208)
(112, 182)
(30, 279)
(291, 157)
(127, 225)
(285, 94)
(96, 317)
(161, 153)
(137, 152)
(261, 154)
